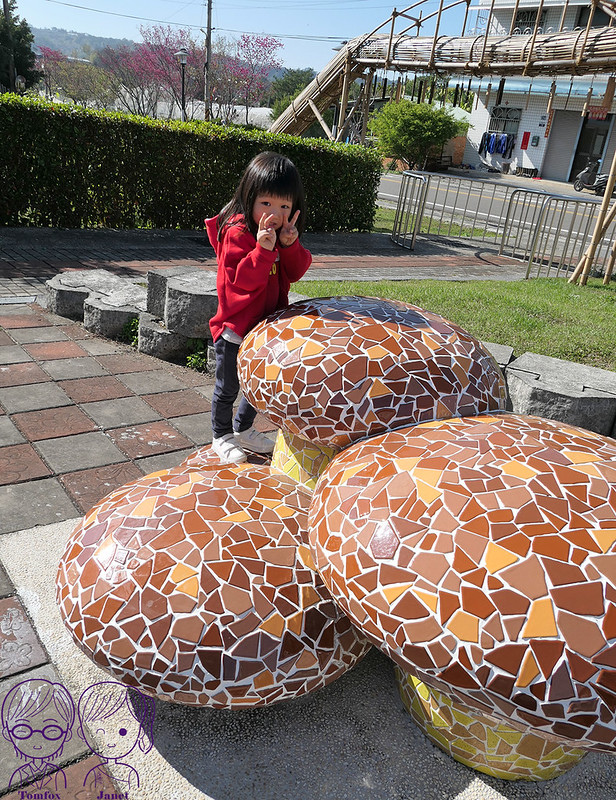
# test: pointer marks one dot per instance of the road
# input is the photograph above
(482, 204)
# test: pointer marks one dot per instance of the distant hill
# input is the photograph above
(71, 43)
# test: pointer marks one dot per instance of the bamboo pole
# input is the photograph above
(322, 122)
(610, 266)
(603, 220)
(366, 109)
(533, 38)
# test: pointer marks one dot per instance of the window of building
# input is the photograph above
(599, 19)
(504, 120)
(526, 19)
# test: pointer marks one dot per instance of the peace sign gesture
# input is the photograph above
(288, 233)
(266, 234)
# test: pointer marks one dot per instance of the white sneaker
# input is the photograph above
(254, 441)
(227, 449)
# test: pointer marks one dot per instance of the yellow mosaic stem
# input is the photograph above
(483, 742)
(300, 459)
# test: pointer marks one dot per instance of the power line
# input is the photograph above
(197, 27)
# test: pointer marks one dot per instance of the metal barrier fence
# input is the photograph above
(549, 232)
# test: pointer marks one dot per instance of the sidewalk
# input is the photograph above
(30, 256)
(80, 416)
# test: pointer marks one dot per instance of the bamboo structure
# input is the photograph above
(587, 51)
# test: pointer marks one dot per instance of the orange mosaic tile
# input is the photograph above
(185, 584)
(540, 618)
(333, 370)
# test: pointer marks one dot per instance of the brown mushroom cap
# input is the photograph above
(480, 554)
(334, 370)
(199, 587)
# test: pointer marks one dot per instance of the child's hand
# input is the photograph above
(288, 233)
(266, 235)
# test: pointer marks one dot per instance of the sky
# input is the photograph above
(309, 29)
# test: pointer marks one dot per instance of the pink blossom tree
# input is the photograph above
(162, 43)
(48, 62)
(255, 59)
(130, 70)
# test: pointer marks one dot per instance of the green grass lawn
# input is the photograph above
(384, 223)
(542, 315)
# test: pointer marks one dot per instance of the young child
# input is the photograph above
(256, 239)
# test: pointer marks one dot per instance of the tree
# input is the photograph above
(16, 53)
(130, 72)
(85, 84)
(414, 131)
(48, 63)
(256, 58)
(160, 44)
(290, 84)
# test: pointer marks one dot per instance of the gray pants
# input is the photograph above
(226, 391)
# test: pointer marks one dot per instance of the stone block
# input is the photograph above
(68, 291)
(502, 353)
(158, 341)
(157, 287)
(564, 391)
(106, 315)
(190, 304)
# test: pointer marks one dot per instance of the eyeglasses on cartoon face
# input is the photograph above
(24, 731)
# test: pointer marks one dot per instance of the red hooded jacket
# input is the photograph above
(252, 281)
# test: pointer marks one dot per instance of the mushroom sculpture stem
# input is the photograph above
(482, 741)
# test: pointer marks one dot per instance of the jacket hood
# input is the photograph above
(211, 226)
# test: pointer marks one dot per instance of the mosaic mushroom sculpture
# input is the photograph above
(402, 507)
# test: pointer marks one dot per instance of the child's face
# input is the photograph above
(278, 209)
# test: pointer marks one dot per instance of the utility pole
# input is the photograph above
(9, 29)
(208, 61)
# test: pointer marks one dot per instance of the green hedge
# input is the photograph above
(65, 166)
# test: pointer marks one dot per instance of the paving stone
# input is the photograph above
(9, 433)
(89, 486)
(67, 368)
(36, 396)
(22, 320)
(151, 382)
(35, 503)
(178, 404)
(565, 391)
(141, 441)
(75, 775)
(207, 391)
(83, 390)
(73, 749)
(198, 427)
(20, 648)
(48, 351)
(29, 335)
(162, 461)
(6, 586)
(52, 423)
(13, 354)
(21, 374)
(123, 411)
(81, 451)
(99, 347)
(5, 339)
(20, 462)
(126, 362)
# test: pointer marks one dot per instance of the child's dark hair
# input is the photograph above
(267, 173)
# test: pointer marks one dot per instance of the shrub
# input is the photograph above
(414, 131)
(72, 167)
